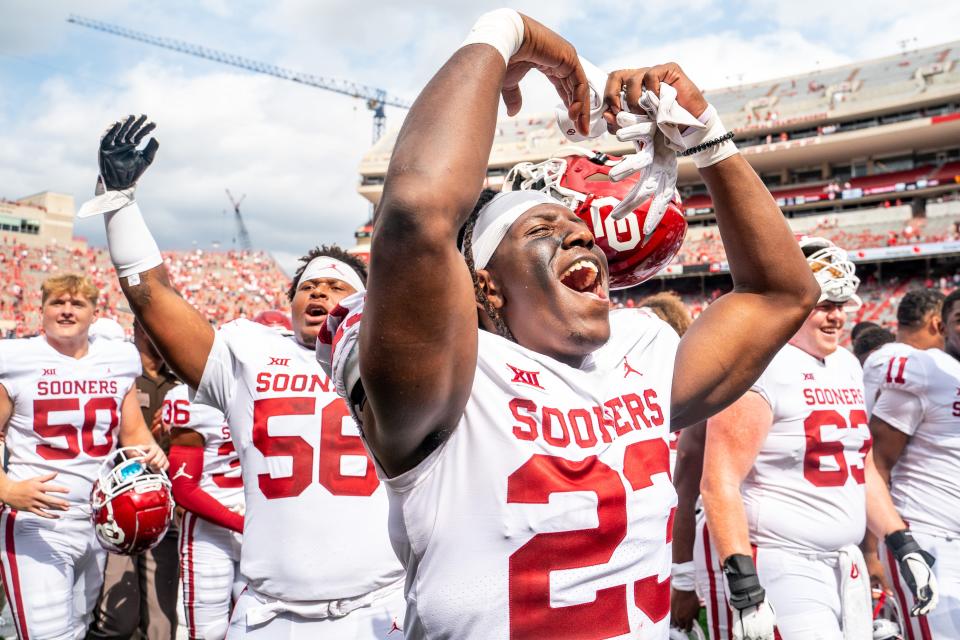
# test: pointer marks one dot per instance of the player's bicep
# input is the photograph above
(418, 343)
(180, 333)
(888, 445)
(734, 438)
(723, 353)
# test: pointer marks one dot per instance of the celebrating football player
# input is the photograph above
(788, 487)
(316, 557)
(527, 466)
(65, 401)
(917, 450)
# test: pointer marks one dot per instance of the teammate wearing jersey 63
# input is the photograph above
(789, 485)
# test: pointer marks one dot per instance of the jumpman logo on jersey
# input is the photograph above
(182, 472)
(627, 369)
(394, 627)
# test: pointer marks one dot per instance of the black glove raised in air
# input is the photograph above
(121, 163)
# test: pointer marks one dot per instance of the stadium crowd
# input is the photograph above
(493, 446)
(223, 285)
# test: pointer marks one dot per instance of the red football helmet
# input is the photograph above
(132, 505)
(581, 181)
(274, 318)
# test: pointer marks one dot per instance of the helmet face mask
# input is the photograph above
(132, 506)
(582, 183)
(833, 269)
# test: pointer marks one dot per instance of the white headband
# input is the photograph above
(496, 218)
(327, 267)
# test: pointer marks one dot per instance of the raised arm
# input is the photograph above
(182, 336)
(418, 342)
(732, 341)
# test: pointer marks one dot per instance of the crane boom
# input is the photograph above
(375, 98)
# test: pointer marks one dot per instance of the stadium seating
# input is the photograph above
(222, 285)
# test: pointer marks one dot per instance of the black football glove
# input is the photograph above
(121, 163)
(915, 566)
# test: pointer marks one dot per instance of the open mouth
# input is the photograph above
(315, 313)
(583, 276)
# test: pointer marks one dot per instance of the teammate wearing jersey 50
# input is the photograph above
(316, 557)
(527, 467)
(65, 401)
(789, 485)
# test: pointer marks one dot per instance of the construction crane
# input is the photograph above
(242, 236)
(376, 99)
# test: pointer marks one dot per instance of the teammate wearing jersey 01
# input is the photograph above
(527, 466)
(316, 557)
(789, 485)
(65, 401)
(917, 449)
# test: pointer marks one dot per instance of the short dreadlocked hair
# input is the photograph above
(916, 305)
(465, 241)
(329, 251)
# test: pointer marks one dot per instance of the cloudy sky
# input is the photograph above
(294, 150)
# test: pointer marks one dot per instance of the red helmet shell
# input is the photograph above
(274, 318)
(136, 518)
(631, 259)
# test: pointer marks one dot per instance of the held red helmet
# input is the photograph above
(274, 318)
(581, 182)
(132, 505)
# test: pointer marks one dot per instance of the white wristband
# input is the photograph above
(714, 129)
(502, 29)
(683, 576)
(132, 247)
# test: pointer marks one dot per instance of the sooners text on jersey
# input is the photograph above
(66, 411)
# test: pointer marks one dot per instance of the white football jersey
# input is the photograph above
(547, 512)
(924, 403)
(883, 366)
(806, 489)
(221, 465)
(315, 526)
(66, 411)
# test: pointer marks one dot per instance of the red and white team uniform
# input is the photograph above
(881, 367)
(316, 555)
(805, 501)
(209, 553)
(547, 511)
(924, 403)
(65, 420)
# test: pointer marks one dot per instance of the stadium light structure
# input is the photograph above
(376, 99)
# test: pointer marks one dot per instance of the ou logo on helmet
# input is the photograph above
(621, 235)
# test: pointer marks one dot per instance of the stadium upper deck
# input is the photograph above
(870, 110)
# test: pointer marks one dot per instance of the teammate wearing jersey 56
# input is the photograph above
(64, 403)
(305, 471)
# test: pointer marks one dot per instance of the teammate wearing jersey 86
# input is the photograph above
(789, 486)
(65, 403)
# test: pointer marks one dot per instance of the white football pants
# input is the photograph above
(209, 575)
